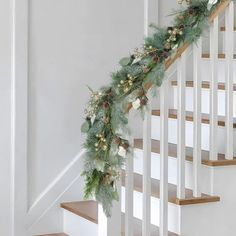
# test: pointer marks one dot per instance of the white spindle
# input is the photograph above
(146, 222)
(146, 174)
(197, 157)
(129, 185)
(181, 70)
(229, 39)
(214, 89)
(112, 225)
(164, 107)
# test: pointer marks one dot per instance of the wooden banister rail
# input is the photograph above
(219, 9)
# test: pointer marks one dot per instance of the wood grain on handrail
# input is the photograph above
(219, 9)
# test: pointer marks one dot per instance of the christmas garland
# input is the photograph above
(106, 124)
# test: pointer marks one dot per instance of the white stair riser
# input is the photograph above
(203, 220)
(206, 72)
(189, 134)
(173, 211)
(172, 170)
(155, 166)
(205, 100)
(75, 225)
(206, 42)
(223, 178)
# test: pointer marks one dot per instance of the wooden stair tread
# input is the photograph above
(58, 234)
(172, 192)
(205, 84)
(138, 143)
(189, 117)
(85, 209)
(220, 55)
(89, 211)
(222, 28)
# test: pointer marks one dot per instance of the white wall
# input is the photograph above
(167, 7)
(71, 44)
(5, 117)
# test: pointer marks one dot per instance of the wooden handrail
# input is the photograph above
(220, 8)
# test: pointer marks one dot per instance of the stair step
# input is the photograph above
(85, 209)
(220, 55)
(172, 192)
(189, 117)
(138, 143)
(205, 85)
(89, 211)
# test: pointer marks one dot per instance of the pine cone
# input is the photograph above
(118, 140)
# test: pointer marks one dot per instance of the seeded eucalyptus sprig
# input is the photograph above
(106, 122)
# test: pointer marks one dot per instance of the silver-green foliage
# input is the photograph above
(106, 124)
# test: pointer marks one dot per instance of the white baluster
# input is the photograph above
(164, 107)
(181, 70)
(197, 157)
(129, 186)
(110, 226)
(214, 89)
(146, 222)
(229, 39)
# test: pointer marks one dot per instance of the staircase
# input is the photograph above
(181, 178)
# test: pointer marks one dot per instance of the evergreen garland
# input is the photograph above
(106, 124)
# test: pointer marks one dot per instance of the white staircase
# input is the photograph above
(181, 178)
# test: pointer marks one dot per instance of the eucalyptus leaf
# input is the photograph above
(100, 165)
(173, 54)
(156, 75)
(125, 61)
(85, 127)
